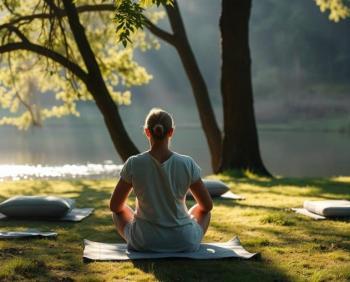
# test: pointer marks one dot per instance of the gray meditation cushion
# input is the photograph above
(36, 207)
(332, 208)
(215, 187)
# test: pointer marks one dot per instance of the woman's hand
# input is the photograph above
(119, 196)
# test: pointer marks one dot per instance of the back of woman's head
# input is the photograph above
(159, 122)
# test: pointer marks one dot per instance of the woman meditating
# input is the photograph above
(160, 179)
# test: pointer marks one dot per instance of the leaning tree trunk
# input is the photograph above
(240, 148)
(199, 88)
(97, 87)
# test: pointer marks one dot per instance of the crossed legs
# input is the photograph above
(126, 215)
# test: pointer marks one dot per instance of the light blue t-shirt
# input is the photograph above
(162, 222)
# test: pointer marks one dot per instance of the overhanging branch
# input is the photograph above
(73, 67)
(59, 13)
(62, 13)
(14, 29)
(162, 34)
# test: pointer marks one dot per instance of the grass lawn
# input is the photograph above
(292, 247)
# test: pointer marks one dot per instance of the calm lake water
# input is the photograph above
(88, 149)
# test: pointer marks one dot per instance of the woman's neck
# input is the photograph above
(160, 150)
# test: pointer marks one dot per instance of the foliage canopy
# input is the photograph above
(338, 9)
(129, 16)
(40, 64)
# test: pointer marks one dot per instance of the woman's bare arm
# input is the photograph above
(202, 196)
(119, 196)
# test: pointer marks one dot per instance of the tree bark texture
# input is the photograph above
(199, 88)
(97, 87)
(240, 148)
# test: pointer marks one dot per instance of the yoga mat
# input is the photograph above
(309, 214)
(227, 195)
(30, 233)
(77, 214)
(230, 195)
(96, 251)
(73, 215)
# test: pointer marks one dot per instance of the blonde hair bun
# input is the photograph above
(158, 130)
(159, 122)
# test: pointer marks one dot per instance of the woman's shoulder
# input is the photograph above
(140, 156)
(177, 157)
(190, 164)
(135, 162)
(184, 158)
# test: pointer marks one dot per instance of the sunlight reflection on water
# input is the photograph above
(78, 151)
(68, 171)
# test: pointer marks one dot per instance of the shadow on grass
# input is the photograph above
(211, 270)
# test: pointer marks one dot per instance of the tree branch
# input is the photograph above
(96, 8)
(175, 20)
(7, 6)
(51, 4)
(62, 13)
(81, 40)
(59, 13)
(58, 58)
(161, 33)
(21, 100)
(14, 29)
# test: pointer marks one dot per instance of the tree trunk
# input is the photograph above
(240, 148)
(199, 88)
(97, 87)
